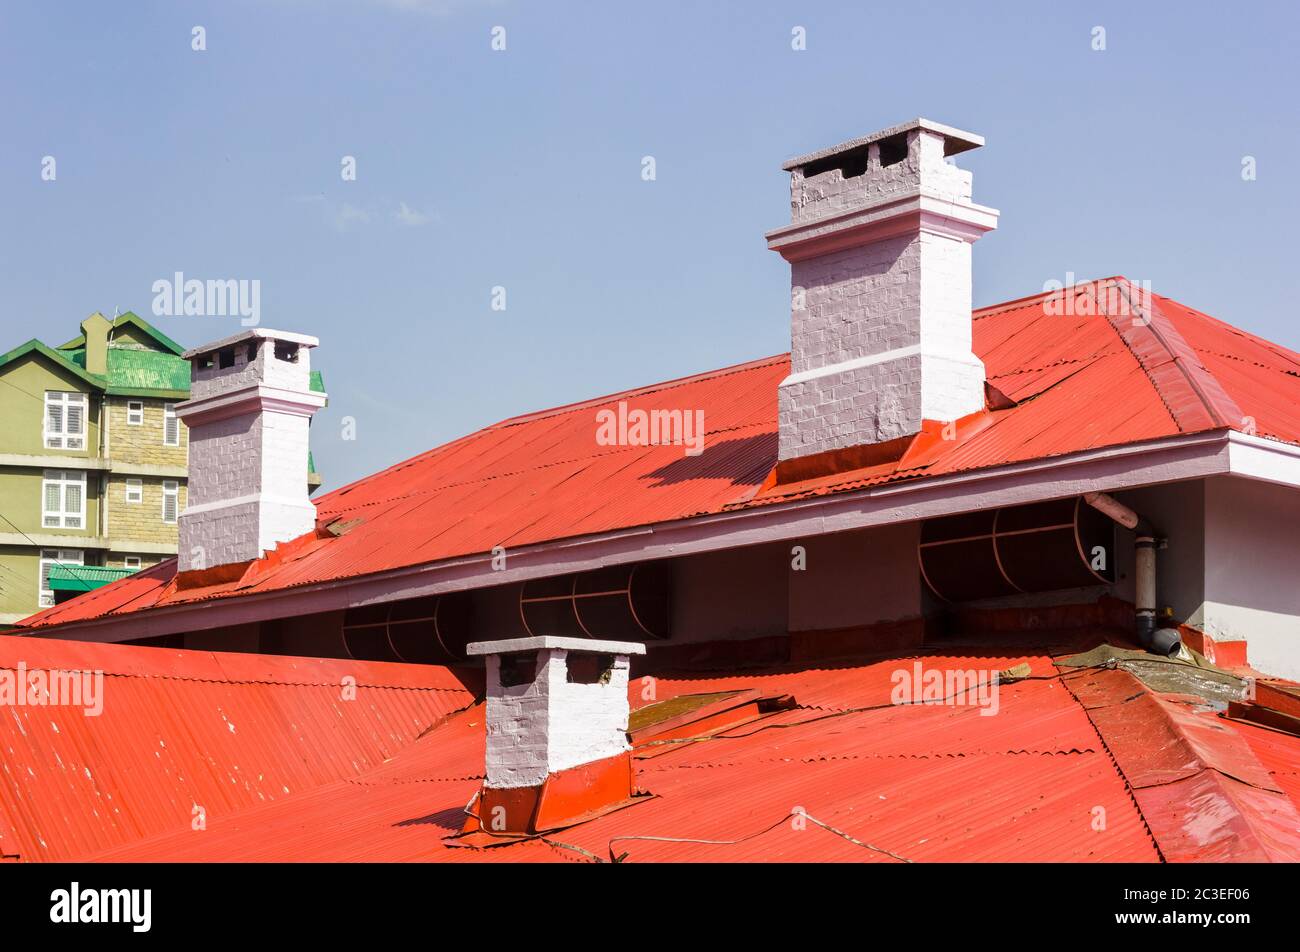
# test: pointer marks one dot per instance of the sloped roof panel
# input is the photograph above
(186, 729)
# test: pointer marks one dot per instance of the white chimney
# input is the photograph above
(879, 247)
(557, 743)
(248, 416)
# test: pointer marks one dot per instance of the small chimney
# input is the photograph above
(557, 743)
(248, 415)
(95, 330)
(879, 247)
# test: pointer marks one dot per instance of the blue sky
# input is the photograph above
(522, 169)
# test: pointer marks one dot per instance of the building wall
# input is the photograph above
(739, 593)
(130, 522)
(1177, 510)
(245, 638)
(1252, 571)
(857, 578)
(22, 408)
(19, 574)
(143, 443)
(22, 503)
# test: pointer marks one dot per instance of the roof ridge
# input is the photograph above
(990, 310)
(641, 391)
(1194, 397)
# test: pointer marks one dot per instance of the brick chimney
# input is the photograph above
(557, 744)
(879, 246)
(248, 415)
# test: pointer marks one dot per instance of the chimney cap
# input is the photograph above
(265, 333)
(512, 645)
(955, 141)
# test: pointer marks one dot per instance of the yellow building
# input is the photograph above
(92, 459)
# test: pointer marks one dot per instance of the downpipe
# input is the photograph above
(1161, 641)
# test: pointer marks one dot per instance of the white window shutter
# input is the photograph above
(53, 423)
(171, 426)
(72, 501)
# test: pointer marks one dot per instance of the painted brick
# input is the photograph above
(549, 724)
(246, 487)
(880, 321)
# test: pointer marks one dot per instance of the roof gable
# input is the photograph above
(135, 329)
(60, 361)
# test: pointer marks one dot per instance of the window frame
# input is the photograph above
(171, 423)
(59, 439)
(127, 559)
(62, 557)
(171, 489)
(60, 478)
(138, 486)
(135, 413)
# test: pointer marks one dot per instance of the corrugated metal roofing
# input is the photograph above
(137, 369)
(920, 782)
(180, 729)
(844, 776)
(82, 578)
(544, 477)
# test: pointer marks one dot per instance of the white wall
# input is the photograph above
(1177, 510)
(1252, 571)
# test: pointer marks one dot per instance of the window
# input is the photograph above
(135, 490)
(64, 499)
(171, 426)
(135, 412)
(131, 562)
(50, 558)
(65, 420)
(171, 500)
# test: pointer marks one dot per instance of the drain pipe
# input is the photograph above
(1163, 641)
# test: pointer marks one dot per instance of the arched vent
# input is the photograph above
(1039, 547)
(619, 603)
(432, 630)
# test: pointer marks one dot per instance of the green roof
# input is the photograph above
(133, 319)
(133, 370)
(83, 578)
(34, 346)
(317, 382)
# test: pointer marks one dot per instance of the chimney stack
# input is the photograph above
(879, 246)
(557, 744)
(95, 329)
(248, 415)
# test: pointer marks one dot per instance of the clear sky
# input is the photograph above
(522, 169)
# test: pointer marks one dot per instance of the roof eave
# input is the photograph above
(1169, 459)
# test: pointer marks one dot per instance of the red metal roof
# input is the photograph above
(222, 731)
(1088, 764)
(918, 782)
(543, 477)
